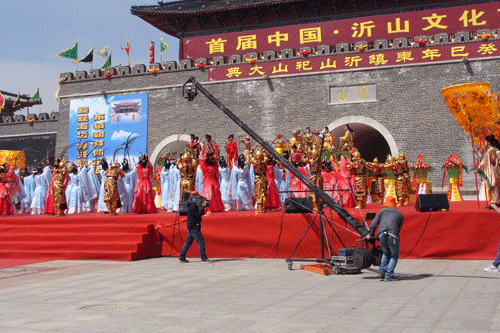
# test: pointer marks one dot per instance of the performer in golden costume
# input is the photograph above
(187, 165)
(377, 169)
(111, 195)
(328, 143)
(391, 178)
(358, 165)
(279, 144)
(61, 179)
(295, 144)
(406, 170)
(316, 175)
(402, 193)
(260, 183)
(316, 141)
(347, 141)
(247, 152)
(308, 140)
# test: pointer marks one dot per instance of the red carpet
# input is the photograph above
(5, 263)
(464, 232)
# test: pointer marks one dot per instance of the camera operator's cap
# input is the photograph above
(390, 202)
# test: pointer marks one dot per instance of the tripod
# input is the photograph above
(319, 214)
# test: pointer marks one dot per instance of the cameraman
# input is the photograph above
(196, 209)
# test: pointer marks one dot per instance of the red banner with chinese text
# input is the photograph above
(369, 28)
(352, 61)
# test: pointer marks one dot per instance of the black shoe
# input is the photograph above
(489, 207)
(381, 276)
(206, 260)
(390, 278)
(183, 260)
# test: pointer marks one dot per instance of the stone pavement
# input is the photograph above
(246, 295)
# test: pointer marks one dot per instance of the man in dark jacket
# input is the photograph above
(389, 221)
(196, 209)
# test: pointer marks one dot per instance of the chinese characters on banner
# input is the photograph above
(369, 28)
(409, 56)
(98, 126)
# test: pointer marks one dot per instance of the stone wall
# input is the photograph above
(409, 105)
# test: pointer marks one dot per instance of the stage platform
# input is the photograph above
(466, 231)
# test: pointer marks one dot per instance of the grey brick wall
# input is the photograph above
(409, 104)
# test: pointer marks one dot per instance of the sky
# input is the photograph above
(33, 32)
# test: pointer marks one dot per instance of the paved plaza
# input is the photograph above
(246, 295)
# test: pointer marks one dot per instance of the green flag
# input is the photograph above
(89, 57)
(163, 46)
(107, 63)
(71, 53)
(36, 96)
(16, 102)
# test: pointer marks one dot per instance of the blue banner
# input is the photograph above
(99, 126)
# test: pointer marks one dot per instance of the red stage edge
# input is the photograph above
(463, 232)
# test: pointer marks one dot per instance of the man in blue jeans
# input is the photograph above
(496, 262)
(389, 221)
(196, 209)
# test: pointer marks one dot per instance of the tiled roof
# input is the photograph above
(203, 6)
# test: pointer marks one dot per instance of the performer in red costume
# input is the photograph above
(8, 189)
(211, 146)
(211, 186)
(195, 146)
(232, 151)
(144, 202)
(298, 187)
(273, 197)
(49, 204)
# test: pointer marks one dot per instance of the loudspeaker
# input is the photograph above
(298, 205)
(183, 208)
(432, 202)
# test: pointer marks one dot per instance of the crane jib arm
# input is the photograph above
(327, 200)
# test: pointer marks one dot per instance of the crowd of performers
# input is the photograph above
(253, 180)
(62, 188)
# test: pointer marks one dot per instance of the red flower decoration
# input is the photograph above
(305, 53)
(361, 47)
(421, 42)
(200, 66)
(109, 75)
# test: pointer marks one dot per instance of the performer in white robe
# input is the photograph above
(41, 182)
(225, 184)
(174, 188)
(91, 191)
(165, 184)
(126, 187)
(74, 191)
(241, 185)
(29, 187)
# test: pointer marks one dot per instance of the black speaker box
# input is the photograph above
(432, 202)
(183, 208)
(298, 205)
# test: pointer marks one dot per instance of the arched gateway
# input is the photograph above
(371, 138)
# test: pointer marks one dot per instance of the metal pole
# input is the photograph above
(341, 212)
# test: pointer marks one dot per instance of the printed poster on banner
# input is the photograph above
(98, 126)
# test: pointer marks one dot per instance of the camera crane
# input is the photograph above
(190, 90)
